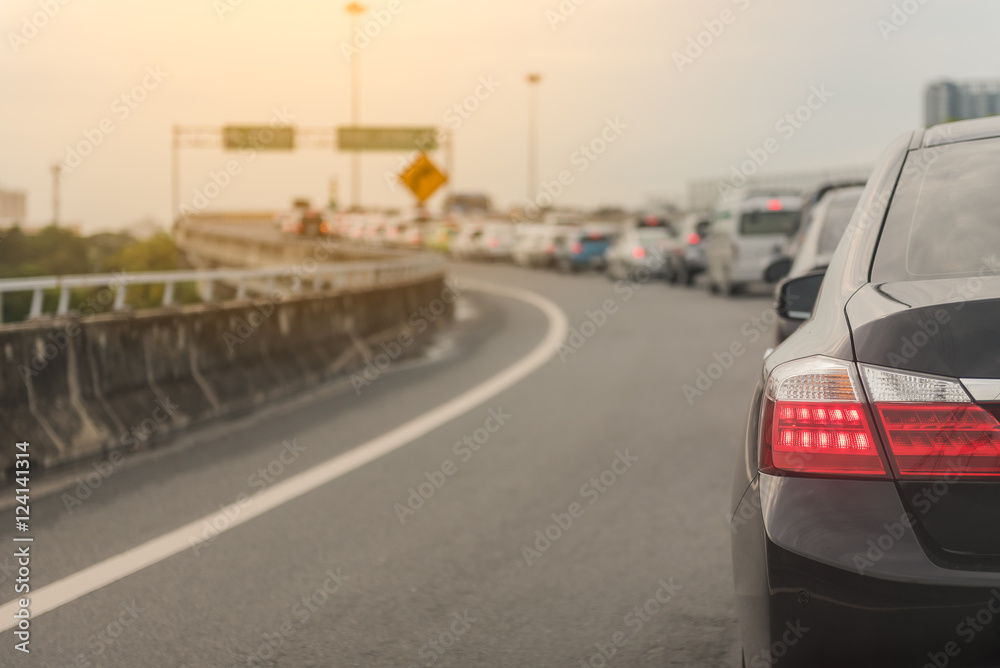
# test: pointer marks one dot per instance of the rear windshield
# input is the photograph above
(768, 222)
(651, 233)
(944, 219)
(838, 215)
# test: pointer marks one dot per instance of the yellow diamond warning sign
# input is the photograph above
(423, 178)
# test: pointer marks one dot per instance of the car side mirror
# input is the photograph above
(778, 269)
(797, 296)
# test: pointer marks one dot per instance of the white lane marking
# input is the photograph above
(92, 578)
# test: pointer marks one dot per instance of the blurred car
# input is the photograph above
(640, 246)
(465, 245)
(818, 238)
(496, 241)
(866, 496)
(440, 236)
(683, 252)
(305, 223)
(527, 237)
(745, 236)
(583, 248)
(551, 237)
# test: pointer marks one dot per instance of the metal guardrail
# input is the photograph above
(339, 276)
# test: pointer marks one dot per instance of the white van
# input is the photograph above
(745, 236)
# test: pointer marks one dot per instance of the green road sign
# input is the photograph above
(354, 138)
(278, 138)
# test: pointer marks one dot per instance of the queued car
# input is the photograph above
(305, 223)
(440, 236)
(640, 246)
(526, 239)
(465, 244)
(683, 252)
(496, 241)
(818, 238)
(745, 236)
(551, 238)
(865, 510)
(583, 247)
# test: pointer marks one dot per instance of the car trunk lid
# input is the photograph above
(948, 328)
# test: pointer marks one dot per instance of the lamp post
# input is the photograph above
(56, 177)
(533, 80)
(356, 10)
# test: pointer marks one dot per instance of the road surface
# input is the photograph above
(581, 510)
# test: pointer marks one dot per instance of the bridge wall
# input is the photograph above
(78, 387)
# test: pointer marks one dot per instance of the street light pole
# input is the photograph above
(533, 81)
(56, 178)
(355, 9)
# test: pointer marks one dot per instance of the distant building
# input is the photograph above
(13, 207)
(946, 101)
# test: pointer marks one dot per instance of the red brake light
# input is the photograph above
(815, 421)
(812, 437)
(638, 252)
(576, 248)
(774, 205)
(941, 439)
(693, 238)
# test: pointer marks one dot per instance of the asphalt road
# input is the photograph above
(601, 439)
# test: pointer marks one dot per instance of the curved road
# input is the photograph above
(581, 510)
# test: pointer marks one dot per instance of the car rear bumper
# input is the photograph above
(833, 572)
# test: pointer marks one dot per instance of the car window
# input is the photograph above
(944, 219)
(838, 215)
(756, 223)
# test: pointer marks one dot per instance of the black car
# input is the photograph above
(866, 501)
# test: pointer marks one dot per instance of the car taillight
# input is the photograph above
(576, 248)
(693, 238)
(931, 426)
(815, 422)
(638, 252)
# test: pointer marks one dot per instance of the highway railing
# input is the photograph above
(301, 277)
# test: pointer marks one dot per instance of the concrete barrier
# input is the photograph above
(79, 387)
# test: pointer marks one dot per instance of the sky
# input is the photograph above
(627, 78)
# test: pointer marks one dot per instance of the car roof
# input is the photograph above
(959, 131)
